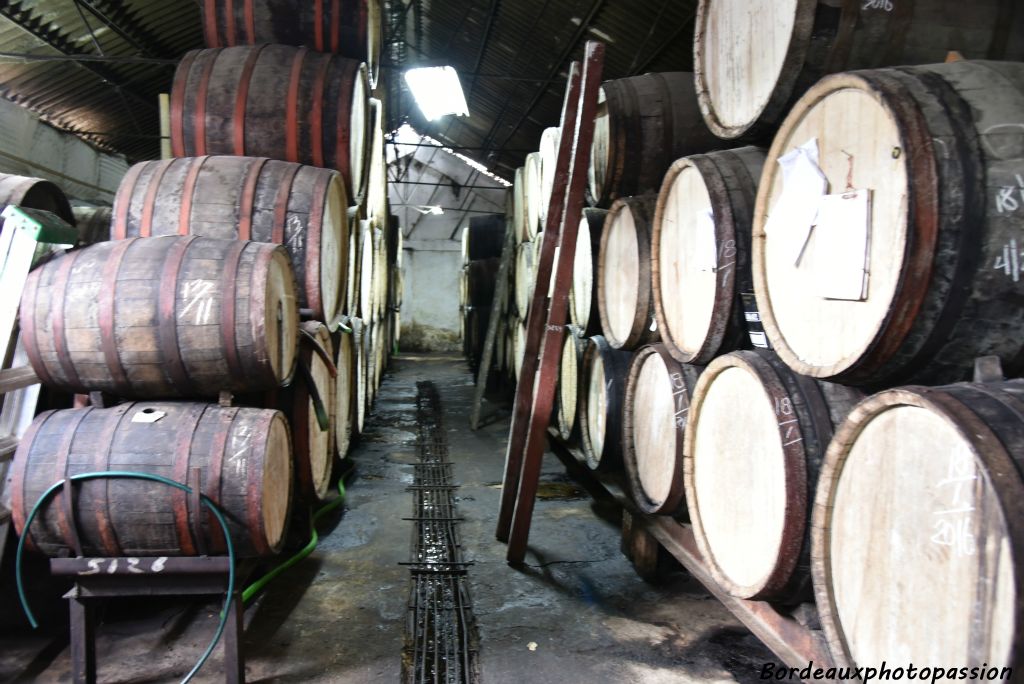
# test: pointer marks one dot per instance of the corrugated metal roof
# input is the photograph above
(498, 46)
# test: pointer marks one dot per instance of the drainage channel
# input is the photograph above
(440, 635)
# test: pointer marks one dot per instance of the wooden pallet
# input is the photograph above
(793, 634)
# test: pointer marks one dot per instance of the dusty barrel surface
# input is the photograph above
(754, 443)
(318, 114)
(624, 297)
(344, 362)
(163, 317)
(654, 416)
(351, 28)
(244, 458)
(700, 252)
(791, 45)
(93, 224)
(917, 272)
(602, 386)
(583, 308)
(301, 207)
(643, 124)
(34, 193)
(566, 409)
(939, 469)
(314, 445)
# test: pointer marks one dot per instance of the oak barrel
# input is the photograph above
(930, 279)
(570, 365)
(700, 252)
(93, 224)
(314, 447)
(602, 388)
(518, 345)
(789, 46)
(532, 195)
(654, 415)
(624, 297)
(244, 458)
(302, 207)
(351, 28)
(753, 447)
(919, 521)
(583, 308)
(643, 124)
(525, 278)
(163, 317)
(519, 205)
(548, 152)
(273, 101)
(34, 193)
(344, 362)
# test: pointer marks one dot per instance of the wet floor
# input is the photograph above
(576, 612)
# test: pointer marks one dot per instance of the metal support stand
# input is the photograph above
(98, 579)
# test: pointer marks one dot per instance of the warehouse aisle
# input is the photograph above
(340, 616)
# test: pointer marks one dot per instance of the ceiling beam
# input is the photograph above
(122, 22)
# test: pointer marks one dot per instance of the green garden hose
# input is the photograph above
(127, 475)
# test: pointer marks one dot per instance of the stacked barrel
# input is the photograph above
(257, 267)
(777, 245)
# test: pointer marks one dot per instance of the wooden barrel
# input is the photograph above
(344, 362)
(318, 114)
(163, 317)
(366, 292)
(376, 194)
(583, 307)
(519, 205)
(654, 414)
(525, 277)
(789, 46)
(602, 388)
(532, 194)
(624, 298)
(924, 483)
(518, 346)
(302, 207)
(566, 411)
(756, 435)
(352, 28)
(244, 455)
(548, 153)
(34, 193)
(941, 282)
(485, 236)
(314, 447)
(643, 124)
(360, 343)
(93, 224)
(700, 252)
(355, 240)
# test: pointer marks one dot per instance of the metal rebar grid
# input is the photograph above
(440, 637)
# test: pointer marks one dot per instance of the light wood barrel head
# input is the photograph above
(600, 151)
(321, 442)
(596, 410)
(519, 205)
(360, 133)
(548, 152)
(911, 528)
(619, 289)
(582, 278)
(334, 248)
(737, 82)
(282, 315)
(344, 390)
(532, 196)
(277, 482)
(860, 146)
(525, 277)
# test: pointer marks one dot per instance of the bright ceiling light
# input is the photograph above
(428, 210)
(437, 91)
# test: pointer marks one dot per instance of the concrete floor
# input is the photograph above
(576, 613)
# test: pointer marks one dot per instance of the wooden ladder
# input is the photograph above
(545, 327)
(24, 232)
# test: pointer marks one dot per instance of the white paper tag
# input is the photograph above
(840, 246)
(794, 214)
(148, 415)
(707, 248)
(759, 339)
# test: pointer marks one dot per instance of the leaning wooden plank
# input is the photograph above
(17, 378)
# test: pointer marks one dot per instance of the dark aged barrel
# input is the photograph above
(789, 46)
(344, 361)
(583, 308)
(754, 443)
(244, 458)
(314, 447)
(643, 124)
(351, 28)
(163, 317)
(93, 224)
(603, 386)
(654, 415)
(940, 150)
(624, 296)
(566, 409)
(924, 483)
(302, 207)
(700, 252)
(273, 101)
(34, 193)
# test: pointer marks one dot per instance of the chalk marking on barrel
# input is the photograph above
(198, 296)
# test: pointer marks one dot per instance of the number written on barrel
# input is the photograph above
(133, 566)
